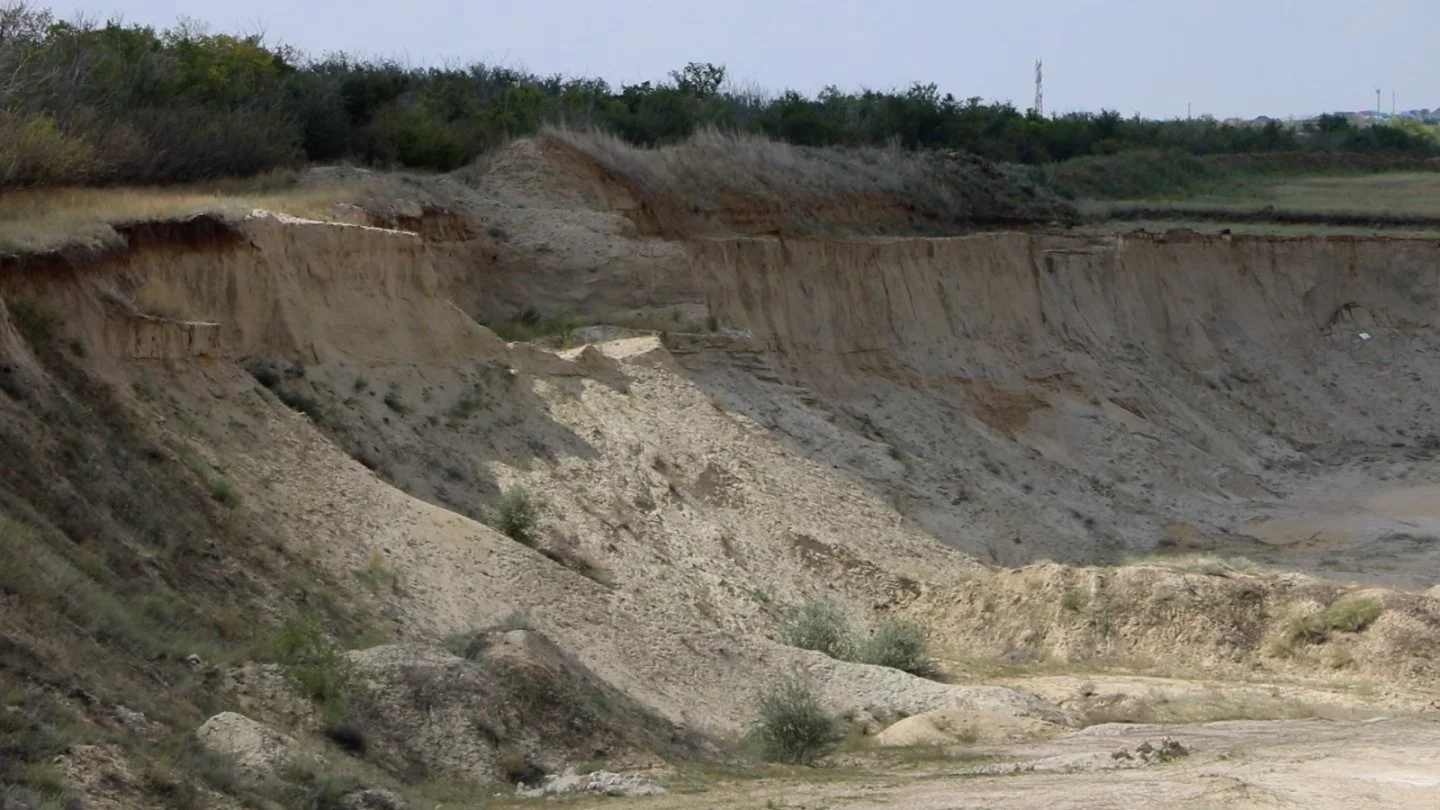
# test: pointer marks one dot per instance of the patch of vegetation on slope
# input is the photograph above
(751, 184)
(128, 567)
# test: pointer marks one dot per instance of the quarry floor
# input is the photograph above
(1380, 762)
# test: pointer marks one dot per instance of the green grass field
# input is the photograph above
(1398, 193)
(1398, 203)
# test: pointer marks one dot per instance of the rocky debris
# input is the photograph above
(257, 750)
(371, 799)
(265, 693)
(135, 721)
(606, 783)
(97, 777)
(422, 706)
(1169, 749)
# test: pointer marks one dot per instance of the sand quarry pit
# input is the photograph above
(1111, 474)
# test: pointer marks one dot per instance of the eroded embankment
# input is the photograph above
(673, 537)
(1093, 393)
(980, 388)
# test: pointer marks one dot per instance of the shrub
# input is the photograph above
(36, 152)
(819, 626)
(1352, 614)
(793, 726)
(377, 575)
(1349, 614)
(222, 491)
(472, 645)
(1307, 630)
(516, 766)
(517, 514)
(395, 403)
(902, 644)
(315, 663)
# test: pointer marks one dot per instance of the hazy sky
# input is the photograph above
(1227, 57)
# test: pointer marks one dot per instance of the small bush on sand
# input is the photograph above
(902, 644)
(793, 726)
(819, 625)
(517, 514)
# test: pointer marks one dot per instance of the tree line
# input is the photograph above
(85, 102)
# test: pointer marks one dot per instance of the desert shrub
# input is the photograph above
(1307, 630)
(517, 514)
(377, 575)
(394, 402)
(793, 726)
(1349, 614)
(902, 644)
(223, 491)
(1352, 614)
(819, 625)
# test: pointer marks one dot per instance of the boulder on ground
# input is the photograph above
(257, 750)
(603, 782)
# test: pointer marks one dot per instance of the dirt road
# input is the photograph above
(1382, 763)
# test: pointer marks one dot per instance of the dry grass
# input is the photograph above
(749, 182)
(37, 220)
(1209, 706)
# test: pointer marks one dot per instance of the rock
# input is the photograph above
(257, 750)
(135, 721)
(604, 782)
(371, 799)
(1147, 754)
(1171, 749)
(619, 784)
(516, 691)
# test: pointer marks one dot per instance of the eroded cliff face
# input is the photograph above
(1137, 381)
(982, 306)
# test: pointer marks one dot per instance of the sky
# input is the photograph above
(1227, 58)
